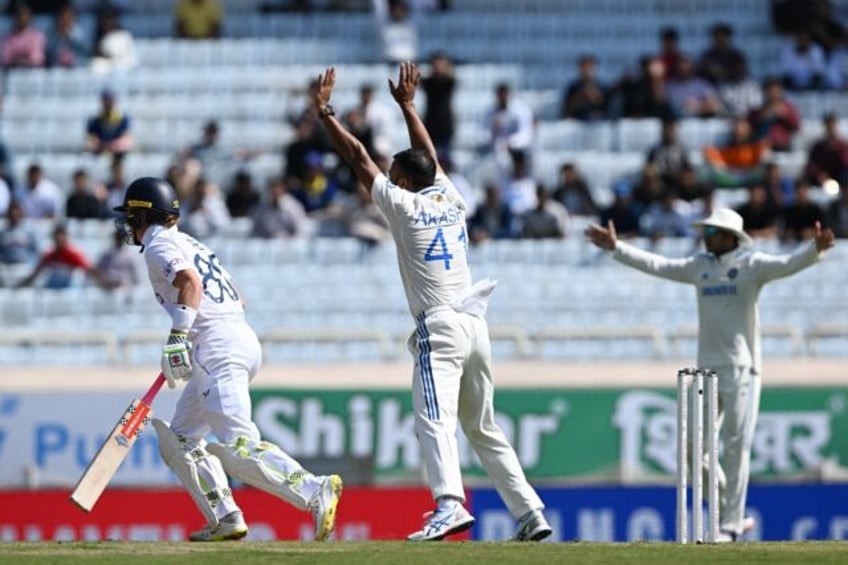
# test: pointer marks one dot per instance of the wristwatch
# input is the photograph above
(326, 110)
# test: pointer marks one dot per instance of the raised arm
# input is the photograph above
(770, 267)
(404, 94)
(675, 269)
(346, 145)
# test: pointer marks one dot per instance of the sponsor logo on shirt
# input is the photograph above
(719, 290)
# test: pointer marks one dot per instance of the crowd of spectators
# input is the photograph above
(316, 195)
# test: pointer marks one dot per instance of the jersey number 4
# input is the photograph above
(438, 248)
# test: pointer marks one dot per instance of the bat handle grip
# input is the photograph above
(154, 389)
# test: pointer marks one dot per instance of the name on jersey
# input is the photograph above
(449, 216)
(719, 290)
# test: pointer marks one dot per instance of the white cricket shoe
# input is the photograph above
(230, 527)
(442, 523)
(533, 527)
(725, 536)
(323, 506)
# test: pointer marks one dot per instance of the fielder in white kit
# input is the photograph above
(452, 377)
(728, 278)
(212, 347)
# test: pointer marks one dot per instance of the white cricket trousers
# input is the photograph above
(738, 409)
(452, 380)
(217, 397)
(225, 358)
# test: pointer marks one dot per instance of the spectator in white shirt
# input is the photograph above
(207, 210)
(378, 119)
(281, 214)
(837, 67)
(398, 30)
(511, 127)
(802, 63)
(114, 46)
(5, 197)
(741, 94)
(41, 198)
(691, 95)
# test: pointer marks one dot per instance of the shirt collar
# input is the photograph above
(151, 232)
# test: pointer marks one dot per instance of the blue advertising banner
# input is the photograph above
(618, 514)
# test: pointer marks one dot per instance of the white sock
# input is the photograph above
(447, 503)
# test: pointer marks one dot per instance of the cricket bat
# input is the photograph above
(114, 450)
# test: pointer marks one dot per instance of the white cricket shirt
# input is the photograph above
(728, 288)
(168, 251)
(431, 240)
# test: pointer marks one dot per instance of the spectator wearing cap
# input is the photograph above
(318, 189)
(109, 130)
(24, 46)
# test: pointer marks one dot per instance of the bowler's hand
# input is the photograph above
(326, 82)
(602, 237)
(408, 78)
(824, 238)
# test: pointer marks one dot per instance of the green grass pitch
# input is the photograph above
(379, 552)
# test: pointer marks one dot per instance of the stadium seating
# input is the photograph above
(555, 299)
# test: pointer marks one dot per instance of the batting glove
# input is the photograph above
(176, 363)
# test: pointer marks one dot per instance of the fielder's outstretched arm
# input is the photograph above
(404, 95)
(346, 145)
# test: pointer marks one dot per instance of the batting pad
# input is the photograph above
(265, 466)
(202, 476)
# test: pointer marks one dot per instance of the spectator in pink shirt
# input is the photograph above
(25, 44)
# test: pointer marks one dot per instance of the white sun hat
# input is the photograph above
(726, 219)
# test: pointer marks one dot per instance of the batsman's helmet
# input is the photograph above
(147, 201)
(151, 193)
